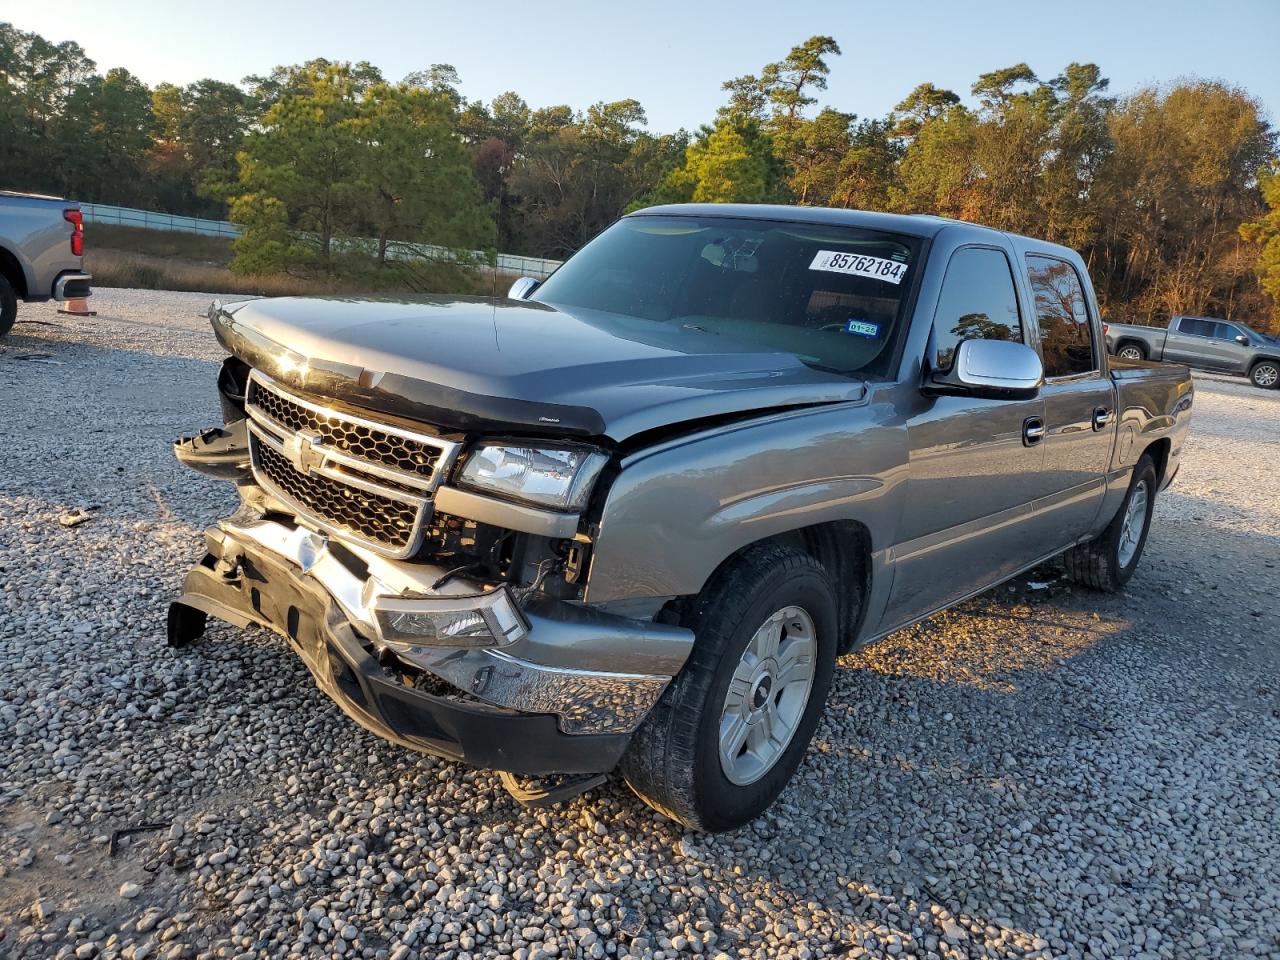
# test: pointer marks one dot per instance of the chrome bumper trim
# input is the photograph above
(533, 674)
(60, 285)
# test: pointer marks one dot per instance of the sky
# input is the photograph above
(673, 56)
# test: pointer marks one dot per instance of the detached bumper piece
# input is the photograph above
(512, 706)
(221, 452)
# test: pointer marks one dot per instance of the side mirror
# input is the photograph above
(1242, 339)
(991, 369)
(521, 289)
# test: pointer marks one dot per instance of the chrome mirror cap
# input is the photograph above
(995, 369)
(521, 289)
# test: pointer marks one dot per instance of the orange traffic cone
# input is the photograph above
(77, 307)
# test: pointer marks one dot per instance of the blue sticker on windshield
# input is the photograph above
(862, 328)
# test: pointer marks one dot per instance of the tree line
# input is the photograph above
(1172, 193)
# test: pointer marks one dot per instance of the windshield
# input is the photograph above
(832, 296)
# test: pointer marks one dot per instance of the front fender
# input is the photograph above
(677, 511)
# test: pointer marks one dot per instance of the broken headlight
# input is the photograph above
(556, 477)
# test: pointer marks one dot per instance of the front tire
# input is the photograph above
(1108, 561)
(8, 306)
(731, 729)
(1265, 374)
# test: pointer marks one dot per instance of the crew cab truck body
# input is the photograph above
(1226, 346)
(630, 518)
(41, 252)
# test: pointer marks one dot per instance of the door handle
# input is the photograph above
(1102, 416)
(1032, 431)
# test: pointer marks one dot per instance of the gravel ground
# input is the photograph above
(1041, 772)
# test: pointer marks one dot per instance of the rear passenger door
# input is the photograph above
(1189, 342)
(1079, 400)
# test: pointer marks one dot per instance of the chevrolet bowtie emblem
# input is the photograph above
(304, 451)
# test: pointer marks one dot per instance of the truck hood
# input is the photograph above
(470, 363)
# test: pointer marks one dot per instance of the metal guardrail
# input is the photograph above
(150, 220)
(538, 267)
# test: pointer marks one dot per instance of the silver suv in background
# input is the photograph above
(41, 252)
(1226, 346)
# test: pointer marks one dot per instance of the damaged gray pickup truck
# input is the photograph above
(629, 517)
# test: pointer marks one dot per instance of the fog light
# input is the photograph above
(481, 620)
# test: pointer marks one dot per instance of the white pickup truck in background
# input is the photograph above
(41, 252)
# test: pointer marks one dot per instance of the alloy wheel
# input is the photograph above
(1135, 521)
(767, 695)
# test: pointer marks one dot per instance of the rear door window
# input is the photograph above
(1196, 327)
(1062, 313)
(977, 302)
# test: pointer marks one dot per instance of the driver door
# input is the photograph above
(1190, 342)
(975, 465)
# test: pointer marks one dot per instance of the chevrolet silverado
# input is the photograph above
(627, 518)
(41, 252)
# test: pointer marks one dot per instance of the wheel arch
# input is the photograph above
(1159, 454)
(1132, 341)
(843, 549)
(11, 268)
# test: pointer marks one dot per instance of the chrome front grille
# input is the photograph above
(361, 439)
(357, 478)
(371, 517)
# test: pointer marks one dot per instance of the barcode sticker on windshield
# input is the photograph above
(890, 271)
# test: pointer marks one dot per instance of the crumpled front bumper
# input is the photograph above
(563, 698)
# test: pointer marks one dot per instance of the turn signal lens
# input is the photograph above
(484, 620)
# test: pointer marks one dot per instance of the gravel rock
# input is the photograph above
(1038, 773)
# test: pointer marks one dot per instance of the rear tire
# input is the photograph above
(685, 760)
(1265, 374)
(1132, 351)
(8, 306)
(1107, 562)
